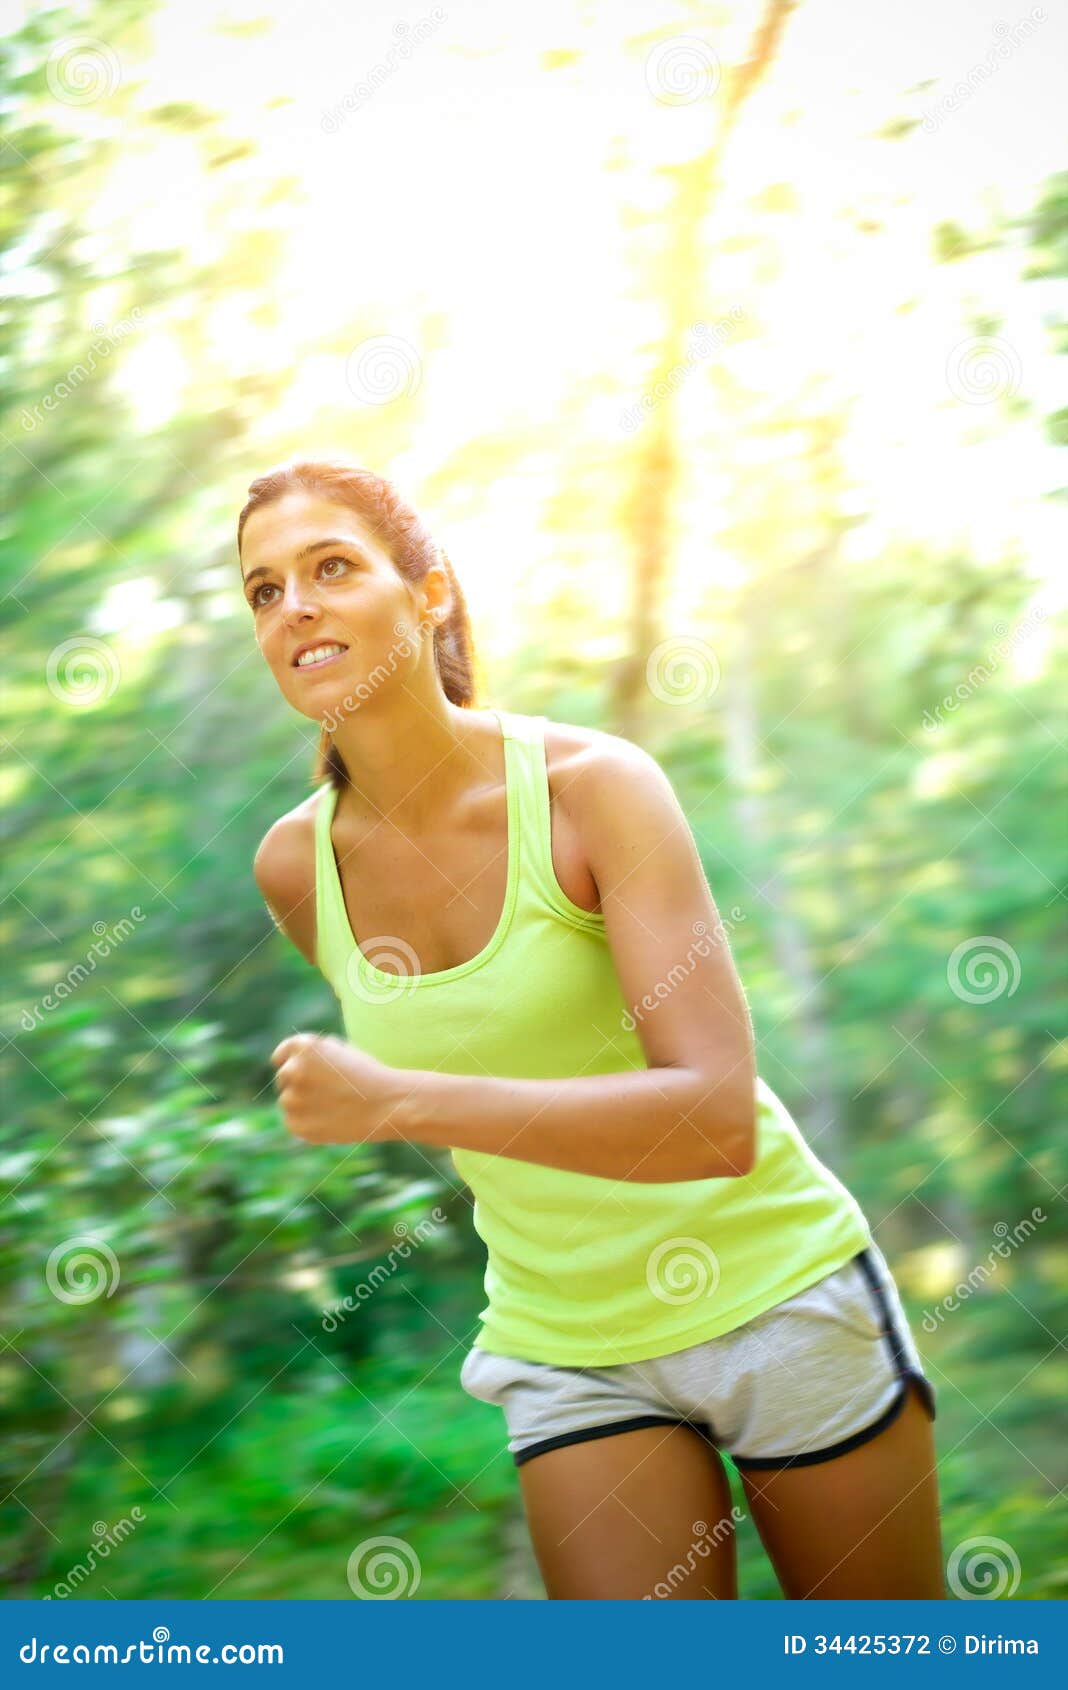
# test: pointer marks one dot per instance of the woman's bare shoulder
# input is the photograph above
(594, 778)
(284, 869)
(583, 760)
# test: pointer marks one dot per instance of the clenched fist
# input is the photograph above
(332, 1093)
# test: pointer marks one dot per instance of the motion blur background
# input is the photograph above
(723, 348)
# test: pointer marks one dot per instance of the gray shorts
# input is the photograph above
(807, 1380)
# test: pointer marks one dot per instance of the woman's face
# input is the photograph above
(331, 614)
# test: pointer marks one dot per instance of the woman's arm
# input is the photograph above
(284, 870)
(689, 1115)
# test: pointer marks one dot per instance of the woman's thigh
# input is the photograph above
(864, 1524)
(632, 1514)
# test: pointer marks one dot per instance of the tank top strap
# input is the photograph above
(525, 736)
(333, 940)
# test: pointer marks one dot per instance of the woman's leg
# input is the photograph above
(864, 1524)
(632, 1514)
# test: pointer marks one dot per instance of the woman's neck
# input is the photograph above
(411, 761)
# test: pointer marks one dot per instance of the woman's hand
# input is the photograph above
(331, 1092)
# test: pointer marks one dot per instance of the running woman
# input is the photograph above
(532, 974)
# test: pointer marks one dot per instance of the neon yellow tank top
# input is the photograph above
(581, 1271)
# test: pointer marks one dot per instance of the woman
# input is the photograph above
(531, 972)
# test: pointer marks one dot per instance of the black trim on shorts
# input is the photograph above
(808, 1458)
(893, 1337)
(906, 1374)
(635, 1424)
(813, 1457)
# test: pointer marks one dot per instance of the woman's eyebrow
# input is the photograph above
(317, 545)
(305, 551)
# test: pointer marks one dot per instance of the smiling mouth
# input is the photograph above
(318, 655)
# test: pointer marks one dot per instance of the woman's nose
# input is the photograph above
(299, 601)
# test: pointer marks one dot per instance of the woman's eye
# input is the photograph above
(332, 567)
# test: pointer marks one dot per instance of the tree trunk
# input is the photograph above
(657, 472)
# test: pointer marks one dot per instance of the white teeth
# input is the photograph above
(318, 654)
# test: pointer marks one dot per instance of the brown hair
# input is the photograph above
(412, 550)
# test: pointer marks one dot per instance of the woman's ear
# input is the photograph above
(437, 591)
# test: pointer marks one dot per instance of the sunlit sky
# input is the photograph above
(477, 189)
